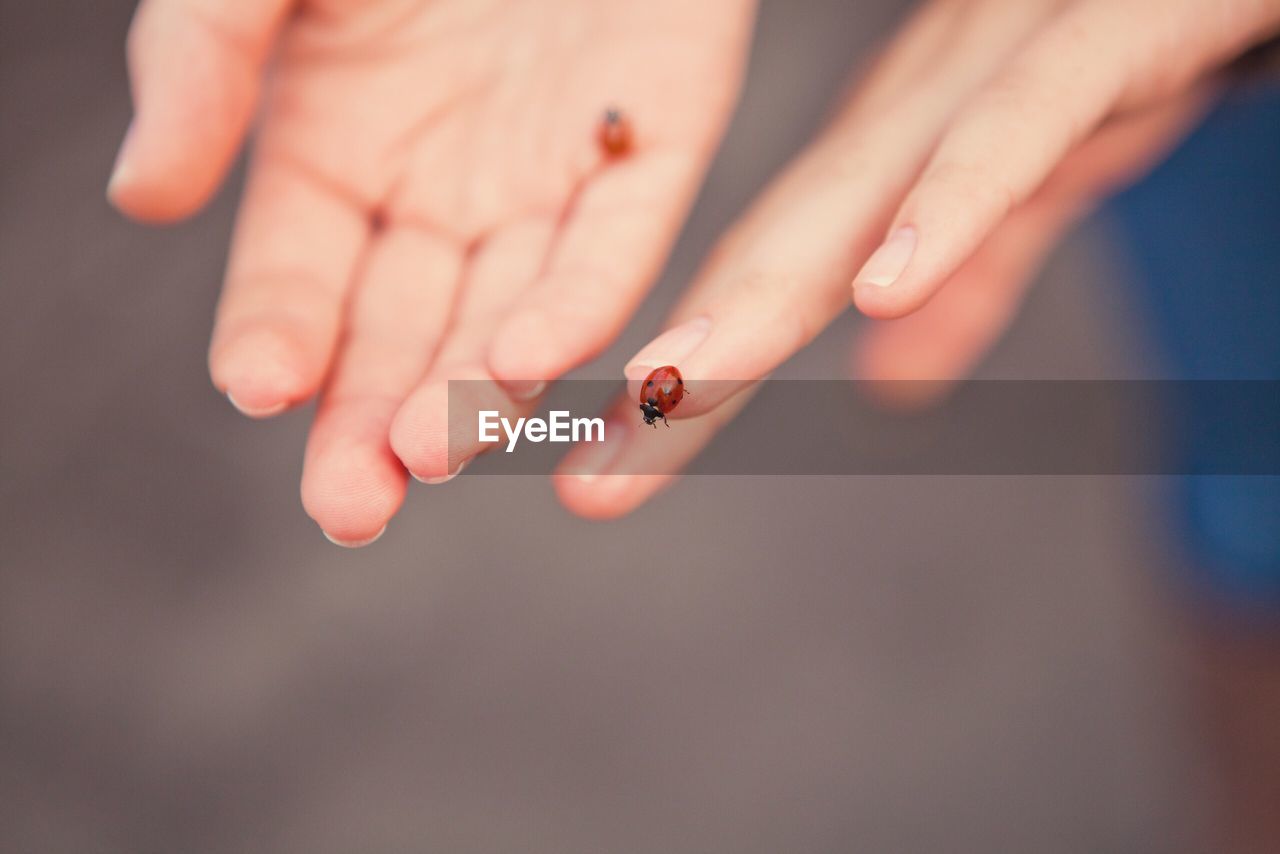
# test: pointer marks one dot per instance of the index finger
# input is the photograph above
(1022, 124)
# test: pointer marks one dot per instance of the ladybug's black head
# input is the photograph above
(651, 413)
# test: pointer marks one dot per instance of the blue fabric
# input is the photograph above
(1203, 236)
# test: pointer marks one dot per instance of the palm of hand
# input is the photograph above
(463, 116)
(428, 201)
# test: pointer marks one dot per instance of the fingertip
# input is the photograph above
(195, 81)
(123, 172)
(888, 303)
(257, 411)
(894, 281)
(151, 200)
(526, 353)
(261, 372)
(351, 489)
(893, 380)
(598, 497)
(160, 178)
(633, 372)
(909, 350)
(354, 544)
(672, 347)
(595, 481)
(437, 481)
(419, 434)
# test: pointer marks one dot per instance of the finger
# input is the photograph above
(777, 279)
(781, 275)
(293, 258)
(609, 479)
(942, 341)
(610, 251)
(1011, 137)
(420, 433)
(352, 483)
(620, 225)
(196, 71)
(987, 292)
(916, 358)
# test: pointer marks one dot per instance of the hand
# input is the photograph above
(427, 199)
(984, 130)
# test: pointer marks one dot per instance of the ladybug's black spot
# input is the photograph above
(679, 381)
(650, 384)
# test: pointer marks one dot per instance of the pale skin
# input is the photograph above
(984, 130)
(427, 202)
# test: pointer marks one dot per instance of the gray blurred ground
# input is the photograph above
(894, 664)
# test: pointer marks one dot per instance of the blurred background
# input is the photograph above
(823, 664)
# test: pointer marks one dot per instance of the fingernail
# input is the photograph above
(259, 412)
(120, 171)
(522, 390)
(887, 263)
(436, 481)
(670, 348)
(590, 461)
(353, 544)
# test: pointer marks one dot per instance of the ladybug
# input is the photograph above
(614, 134)
(662, 392)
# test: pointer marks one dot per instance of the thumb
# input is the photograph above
(195, 69)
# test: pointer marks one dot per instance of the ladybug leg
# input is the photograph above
(664, 421)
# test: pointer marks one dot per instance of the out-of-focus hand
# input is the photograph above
(427, 199)
(984, 130)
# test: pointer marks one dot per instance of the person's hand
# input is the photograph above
(984, 130)
(427, 199)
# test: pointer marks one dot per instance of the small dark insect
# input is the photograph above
(614, 134)
(662, 392)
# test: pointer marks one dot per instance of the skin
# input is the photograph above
(983, 132)
(426, 201)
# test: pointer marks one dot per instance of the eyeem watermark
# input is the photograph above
(559, 427)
